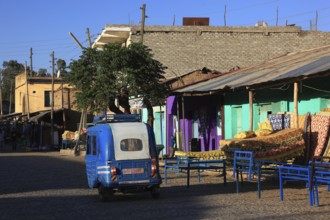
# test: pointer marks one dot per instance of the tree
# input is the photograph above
(117, 73)
(42, 72)
(10, 70)
(61, 66)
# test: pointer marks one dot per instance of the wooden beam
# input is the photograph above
(184, 126)
(178, 138)
(295, 104)
(251, 110)
(27, 91)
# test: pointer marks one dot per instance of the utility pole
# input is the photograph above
(27, 91)
(316, 20)
(52, 102)
(75, 39)
(224, 16)
(174, 20)
(76, 148)
(277, 16)
(10, 95)
(143, 8)
(89, 38)
(31, 69)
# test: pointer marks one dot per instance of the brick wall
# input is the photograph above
(187, 48)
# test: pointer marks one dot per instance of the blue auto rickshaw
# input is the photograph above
(121, 155)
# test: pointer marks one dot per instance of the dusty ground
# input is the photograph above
(47, 185)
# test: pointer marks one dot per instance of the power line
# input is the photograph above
(241, 8)
(292, 16)
(36, 41)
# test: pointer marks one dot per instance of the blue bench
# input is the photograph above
(175, 165)
(321, 174)
(244, 163)
(318, 172)
(297, 173)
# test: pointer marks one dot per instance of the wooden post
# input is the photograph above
(27, 92)
(10, 94)
(295, 104)
(143, 8)
(184, 126)
(31, 68)
(89, 38)
(316, 20)
(75, 39)
(178, 120)
(225, 16)
(76, 147)
(251, 110)
(52, 103)
(277, 16)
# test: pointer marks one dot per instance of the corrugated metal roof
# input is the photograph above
(301, 65)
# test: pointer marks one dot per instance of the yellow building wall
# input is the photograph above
(36, 92)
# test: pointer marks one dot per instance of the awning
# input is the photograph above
(39, 116)
(288, 68)
(112, 35)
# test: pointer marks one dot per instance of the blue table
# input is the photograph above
(184, 163)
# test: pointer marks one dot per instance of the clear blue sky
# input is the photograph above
(44, 25)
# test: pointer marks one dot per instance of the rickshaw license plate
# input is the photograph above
(133, 171)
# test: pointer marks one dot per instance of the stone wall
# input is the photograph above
(183, 49)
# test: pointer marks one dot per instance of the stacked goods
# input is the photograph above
(68, 135)
(244, 134)
(207, 155)
(265, 128)
(279, 146)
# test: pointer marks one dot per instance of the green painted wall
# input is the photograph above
(311, 105)
(159, 127)
(314, 95)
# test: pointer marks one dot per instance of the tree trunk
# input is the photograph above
(124, 103)
(150, 112)
(113, 107)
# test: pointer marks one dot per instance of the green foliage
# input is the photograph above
(116, 72)
(42, 72)
(10, 70)
(61, 66)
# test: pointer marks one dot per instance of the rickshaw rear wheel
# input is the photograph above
(105, 194)
(155, 192)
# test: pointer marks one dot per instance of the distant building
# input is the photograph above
(40, 94)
